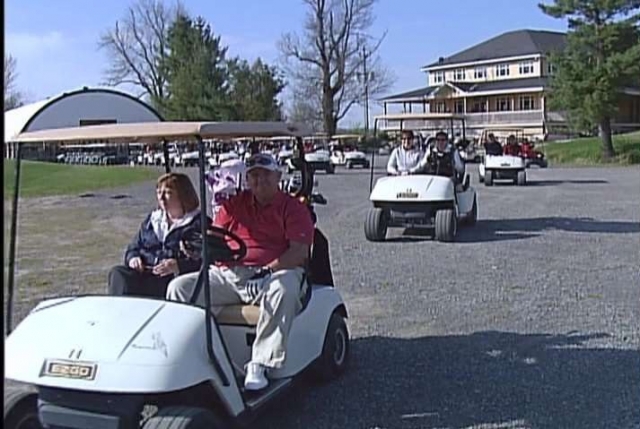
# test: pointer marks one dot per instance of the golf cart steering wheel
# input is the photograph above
(218, 249)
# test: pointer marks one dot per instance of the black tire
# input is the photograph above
(472, 217)
(446, 225)
(366, 165)
(375, 225)
(488, 178)
(335, 351)
(178, 417)
(330, 169)
(521, 179)
(349, 166)
(20, 408)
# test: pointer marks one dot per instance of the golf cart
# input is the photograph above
(501, 167)
(425, 201)
(98, 361)
(344, 151)
(318, 157)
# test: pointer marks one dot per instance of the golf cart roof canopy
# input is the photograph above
(414, 116)
(155, 132)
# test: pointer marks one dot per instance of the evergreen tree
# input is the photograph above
(601, 57)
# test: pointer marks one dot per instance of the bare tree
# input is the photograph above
(12, 97)
(330, 53)
(137, 46)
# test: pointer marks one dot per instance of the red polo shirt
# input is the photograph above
(266, 230)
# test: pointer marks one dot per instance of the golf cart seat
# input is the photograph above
(248, 315)
(318, 271)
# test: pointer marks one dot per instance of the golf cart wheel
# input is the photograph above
(183, 418)
(20, 409)
(446, 225)
(335, 350)
(375, 225)
(480, 178)
(521, 180)
(488, 178)
(349, 166)
(330, 169)
(472, 217)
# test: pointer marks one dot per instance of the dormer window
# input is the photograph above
(458, 75)
(438, 77)
(526, 67)
(551, 69)
(502, 70)
(480, 73)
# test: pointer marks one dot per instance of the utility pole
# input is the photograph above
(366, 91)
(365, 77)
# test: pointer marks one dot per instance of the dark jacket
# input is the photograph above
(151, 250)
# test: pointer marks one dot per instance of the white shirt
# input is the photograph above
(404, 161)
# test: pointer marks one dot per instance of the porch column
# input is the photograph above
(384, 107)
(410, 107)
(464, 103)
(424, 106)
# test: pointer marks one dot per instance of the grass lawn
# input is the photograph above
(40, 179)
(587, 151)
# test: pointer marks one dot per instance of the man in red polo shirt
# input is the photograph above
(278, 232)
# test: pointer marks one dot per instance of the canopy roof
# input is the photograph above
(149, 132)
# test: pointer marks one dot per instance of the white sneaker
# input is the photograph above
(255, 378)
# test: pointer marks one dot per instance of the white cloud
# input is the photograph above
(31, 45)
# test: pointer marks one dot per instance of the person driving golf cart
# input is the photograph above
(512, 147)
(278, 231)
(493, 146)
(406, 158)
(443, 159)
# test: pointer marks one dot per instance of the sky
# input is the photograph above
(55, 42)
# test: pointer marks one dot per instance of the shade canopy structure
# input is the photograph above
(143, 132)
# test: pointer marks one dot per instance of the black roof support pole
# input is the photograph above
(12, 238)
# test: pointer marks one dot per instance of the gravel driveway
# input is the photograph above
(530, 320)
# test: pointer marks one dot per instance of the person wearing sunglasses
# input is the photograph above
(278, 231)
(443, 159)
(406, 158)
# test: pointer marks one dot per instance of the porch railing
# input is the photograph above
(474, 120)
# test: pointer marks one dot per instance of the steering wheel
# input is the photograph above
(218, 249)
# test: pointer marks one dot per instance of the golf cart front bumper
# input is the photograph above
(320, 165)
(362, 162)
(413, 215)
(505, 173)
(64, 408)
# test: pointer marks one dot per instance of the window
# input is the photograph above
(479, 106)
(502, 70)
(438, 77)
(526, 67)
(458, 75)
(503, 104)
(480, 73)
(551, 69)
(459, 106)
(441, 107)
(527, 103)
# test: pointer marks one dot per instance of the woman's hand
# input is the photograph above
(136, 264)
(166, 267)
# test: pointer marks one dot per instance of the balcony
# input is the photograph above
(473, 120)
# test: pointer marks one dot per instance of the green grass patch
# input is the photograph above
(39, 179)
(588, 151)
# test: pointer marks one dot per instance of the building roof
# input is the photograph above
(472, 87)
(18, 120)
(415, 93)
(510, 44)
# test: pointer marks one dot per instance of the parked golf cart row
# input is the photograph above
(129, 362)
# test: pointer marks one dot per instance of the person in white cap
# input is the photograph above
(278, 231)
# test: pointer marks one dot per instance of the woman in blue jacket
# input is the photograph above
(154, 257)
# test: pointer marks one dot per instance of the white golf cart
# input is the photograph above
(426, 201)
(501, 167)
(344, 151)
(128, 362)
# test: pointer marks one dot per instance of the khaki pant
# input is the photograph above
(278, 305)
